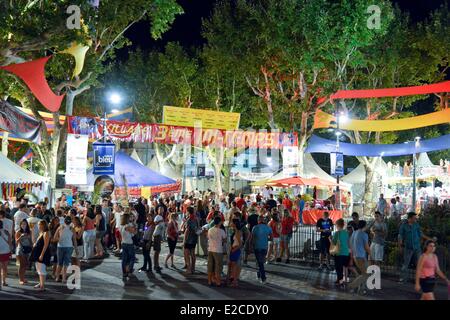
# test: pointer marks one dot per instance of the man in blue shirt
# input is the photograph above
(409, 237)
(301, 206)
(359, 243)
(261, 234)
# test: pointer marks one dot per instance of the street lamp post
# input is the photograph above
(115, 99)
(416, 145)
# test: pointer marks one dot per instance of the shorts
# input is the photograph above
(286, 237)
(234, 256)
(5, 257)
(324, 246)
(157, 243)
(80, 253)
(427, 284)
(275, 241)
(172, 245)
(41, 268)
(376, 252)
(117, 235)
(99, 234)
(215, 262)
(190, 246)
(64, 254)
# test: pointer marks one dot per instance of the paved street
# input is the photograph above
(102, 279)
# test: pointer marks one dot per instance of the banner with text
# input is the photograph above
(76, 159)
(208, 119)
(104, 158)
(167, 134)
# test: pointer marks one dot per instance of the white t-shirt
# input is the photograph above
(4, 246)
(19, 216)
(215, 240)
(34, 227)
(117, 216)
(126, 236)
(8, 226)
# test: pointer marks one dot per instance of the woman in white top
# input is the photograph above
(66, 242)
(127, 230)
(5, 252)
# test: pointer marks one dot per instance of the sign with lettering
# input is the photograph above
(104, 156)
(169, 134)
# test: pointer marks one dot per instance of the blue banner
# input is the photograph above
(321, 145)
(104, 158)
(337, 163)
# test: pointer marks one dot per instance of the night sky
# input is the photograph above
(186, 28)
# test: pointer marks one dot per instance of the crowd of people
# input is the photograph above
(227, 228)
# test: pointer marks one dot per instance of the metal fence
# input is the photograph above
(304, 248)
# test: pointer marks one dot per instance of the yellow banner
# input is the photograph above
(207, 119)
(146, 192)
(78, 51)
(323, 120)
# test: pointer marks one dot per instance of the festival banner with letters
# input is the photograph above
(207, 119)
(323, 120)
(167, 134)
(18, 123)
(76, 159)
(104, 157)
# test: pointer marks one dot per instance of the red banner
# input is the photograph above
(167, 134)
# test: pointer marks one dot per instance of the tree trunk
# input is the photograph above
(369, 203)
(301, 153)
(5, 143)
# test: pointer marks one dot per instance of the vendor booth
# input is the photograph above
(14, 178)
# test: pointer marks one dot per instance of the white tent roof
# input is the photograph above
(13, 173)
(358, 175)
(168, 171)
(134, 155)
(424, 160)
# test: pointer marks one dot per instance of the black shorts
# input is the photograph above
(157, 243)
(190, 246)
(172, 245)
(324, 245)
(427, 284)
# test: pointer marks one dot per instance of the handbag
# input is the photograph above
(26, 249)
(335, 248)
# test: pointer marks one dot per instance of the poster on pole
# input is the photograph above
(104, 158)
(337, 164)
(76, 159)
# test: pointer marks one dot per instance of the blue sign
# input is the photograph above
(104, 157)
(337, 163)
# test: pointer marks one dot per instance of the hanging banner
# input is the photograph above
(207, 119)
(323, 120)
(33, 74)
(104, 158)
(165, 134)
(321, 145)
(18, 123)
(290, 156)
(27, 156)
(78, 51)
(337, 164)
(392, 92)
(76, 159)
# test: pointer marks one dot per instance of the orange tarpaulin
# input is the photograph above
(312, 216)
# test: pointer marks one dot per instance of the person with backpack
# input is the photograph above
(190, 240)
